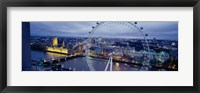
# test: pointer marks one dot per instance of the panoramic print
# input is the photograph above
(100, 46)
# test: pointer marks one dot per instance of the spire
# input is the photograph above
(63, 43)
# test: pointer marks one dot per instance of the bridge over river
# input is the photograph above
(48, 61)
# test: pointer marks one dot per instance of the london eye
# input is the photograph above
(117, 28)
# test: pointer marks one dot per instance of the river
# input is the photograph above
(80, 63)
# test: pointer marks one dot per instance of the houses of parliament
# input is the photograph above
(55, 47)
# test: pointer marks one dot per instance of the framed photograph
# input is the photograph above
(91, 46)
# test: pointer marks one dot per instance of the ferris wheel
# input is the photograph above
(133, 27)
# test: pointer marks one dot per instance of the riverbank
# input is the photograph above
(139, 64)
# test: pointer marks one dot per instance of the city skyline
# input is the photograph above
(114, 46)
(158, 30)
(129, 55)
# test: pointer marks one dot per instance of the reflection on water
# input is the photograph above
(53, 55)
(41, 55)
(80, 63)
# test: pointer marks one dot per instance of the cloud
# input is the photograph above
(159, 30)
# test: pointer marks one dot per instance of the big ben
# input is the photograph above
(55, 42)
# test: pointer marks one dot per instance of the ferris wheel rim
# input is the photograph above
(95, 28)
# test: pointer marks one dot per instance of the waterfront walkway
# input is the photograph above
(57, 59)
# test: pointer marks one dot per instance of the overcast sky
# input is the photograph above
(159, 30)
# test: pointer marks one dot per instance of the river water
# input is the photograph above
(80, 63)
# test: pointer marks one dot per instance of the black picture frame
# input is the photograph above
(100, 3)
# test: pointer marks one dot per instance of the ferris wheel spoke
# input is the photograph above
(118, 26)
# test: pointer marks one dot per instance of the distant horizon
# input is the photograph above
(98, 37)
